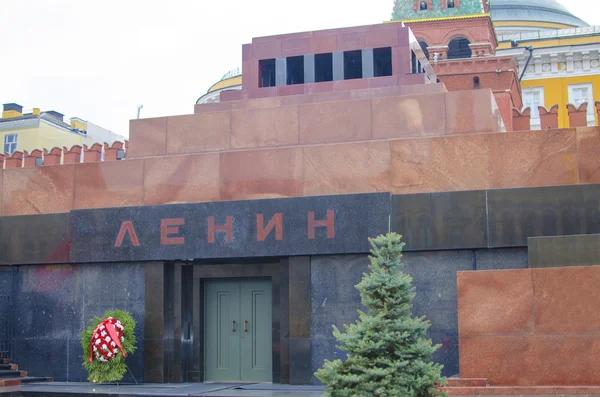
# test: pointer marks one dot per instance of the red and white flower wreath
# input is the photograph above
(107, 340)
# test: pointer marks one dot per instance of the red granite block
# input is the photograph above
(297, 99)
(469, 112)
(295, 47)
(351, 41)
(257, 103)
(176, 179)
(250, 74)
(500, 358)
(441, 164)
(467, 382)
(37, 190)
(201, 132)
(296, 89)
(566, 300)
(275, 126)
(495, 302)
(523, 391)
(330, 32)
(365, 28)
(534, 158)
(382, 38)
(423, 89)
(403, 35)
(246, 52)
(532, 360)
(328, 122)
(415, 79)
(354, 84)
(410, 116)
(233, 95)
(264, 92)
(588, 142)
(266, 50)
(401, 59)
(266, 173)
(213, 107)
(280, 37)
(324, 86)
(347, 168)
(109, 184)
(382, 92)
(378, 82)
(323, 44)
(147, 137)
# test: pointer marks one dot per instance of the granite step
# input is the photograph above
(9, 373)
(523, 390)
(467, 382)
(9, 382)
(30, 379)
(11, 366)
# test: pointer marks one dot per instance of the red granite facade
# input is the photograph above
(533, 327)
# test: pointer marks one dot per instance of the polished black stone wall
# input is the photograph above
(494, 218)
(6, 274)
(503, 218)
(54, 303)
(230, 229)
(561, 251)
(335, 301)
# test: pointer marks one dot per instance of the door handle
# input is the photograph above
(245, 325)
(233, 326)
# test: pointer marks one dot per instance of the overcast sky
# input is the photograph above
(99, 60)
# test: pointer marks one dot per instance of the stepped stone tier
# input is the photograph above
(285, 182)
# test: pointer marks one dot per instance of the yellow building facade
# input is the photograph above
(28, 131)
(562, 67)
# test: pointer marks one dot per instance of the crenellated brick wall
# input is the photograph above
(57, 156)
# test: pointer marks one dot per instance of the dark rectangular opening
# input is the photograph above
(323, 67)
(267, 72)
(416, 66)
(295, 70)
(352, 65)
(382, 61)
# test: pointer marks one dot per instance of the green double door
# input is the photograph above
(238, 336)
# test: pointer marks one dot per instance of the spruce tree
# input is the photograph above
(388, 351)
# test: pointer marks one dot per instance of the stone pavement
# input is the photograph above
(71, 389)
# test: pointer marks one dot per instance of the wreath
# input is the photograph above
(106, 343)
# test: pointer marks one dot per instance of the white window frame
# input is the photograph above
(12, 143)
(591, 117)
(536, 122)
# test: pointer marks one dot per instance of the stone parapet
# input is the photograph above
(323, 118)
(454, 162)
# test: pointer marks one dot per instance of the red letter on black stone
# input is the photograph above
(227, 228)
(329, 223)
(127, 226)
(275, 222)
(170, 226)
